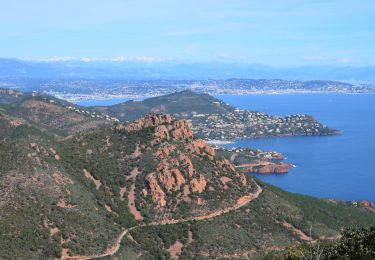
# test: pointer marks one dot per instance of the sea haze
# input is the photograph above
(340, 167)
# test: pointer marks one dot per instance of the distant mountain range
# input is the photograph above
(176, 70)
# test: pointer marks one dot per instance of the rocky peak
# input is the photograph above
(181, 129)
(166, 127)
(147, 121)
(199, 146)
(185, 173)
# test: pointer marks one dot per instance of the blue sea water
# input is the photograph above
(341, 167)
(104, 102)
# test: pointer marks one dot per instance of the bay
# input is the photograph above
(104, 102)
(340, 167)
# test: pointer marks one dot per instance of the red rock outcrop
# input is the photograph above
(171, 179)
(181, 130)
(174, 149)
(180, 180)
(184, 159)
(267, 167)
(198, 184)
(16, 122)
(144, 192)
(199, 146)
(243, 180)
(166, 127)
(157, 194)
(147, 121)
(165, 151)
(91, 178)
(161, 132)
(226, 163)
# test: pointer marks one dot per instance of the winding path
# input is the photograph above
(242, 201)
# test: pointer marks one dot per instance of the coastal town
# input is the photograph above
(75, 90)
(115, 89)
(251, 124)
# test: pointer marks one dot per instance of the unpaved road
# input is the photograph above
(242, 201)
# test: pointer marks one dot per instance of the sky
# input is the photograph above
(270, 32)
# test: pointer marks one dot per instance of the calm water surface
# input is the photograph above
(328, 167)
(104, 102)
(341, 167)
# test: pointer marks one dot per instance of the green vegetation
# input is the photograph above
(213, 119)
(256, 230)
(355, 243)
(67, 190)
(48, 114)
(180, 103)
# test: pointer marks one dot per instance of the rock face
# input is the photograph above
(147, 121)
(166, 127)
(172, 179)
(185, 168)
(162, 132)
(199, 146)
(91, 178)
(198, 184)
(226, 163)
(186, 160)
(181, 130)
(267, 167)
(165, 151)
(157, 193)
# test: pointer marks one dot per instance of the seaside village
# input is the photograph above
(245, 124)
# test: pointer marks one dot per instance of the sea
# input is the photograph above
(338, 167)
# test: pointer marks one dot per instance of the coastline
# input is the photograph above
(233, 141)
(108, 97)
(220, 142)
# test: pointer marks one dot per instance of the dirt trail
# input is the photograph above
(303, 236)
(242, 201)
(297, 231)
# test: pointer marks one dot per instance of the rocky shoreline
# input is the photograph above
(255, 161)
(266, 167)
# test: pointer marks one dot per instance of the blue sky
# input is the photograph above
(273, 32)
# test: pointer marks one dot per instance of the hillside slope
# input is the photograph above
(156, 164)
(69, 195)
(213, 119)
(265, 227)
(51, 115)
(146, 189)
(181, 104)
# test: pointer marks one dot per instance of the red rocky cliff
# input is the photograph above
(166, 127)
